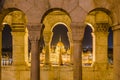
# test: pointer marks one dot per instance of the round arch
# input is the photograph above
(99, 15)
(96, 18)
(51, 10)
(52, 18)
(5, 12)
(7, 16)
(59, 23)
(68, 32)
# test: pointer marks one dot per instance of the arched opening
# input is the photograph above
(16, 19)
(41, 49)
(50, 19)
(87, 54)
(110, 46)
(6, 45)
(60, 46)
(55, 10)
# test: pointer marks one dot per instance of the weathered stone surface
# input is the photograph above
(87, 5)
(69, 5)
(55, 4)
(78, 14)
(77, 10)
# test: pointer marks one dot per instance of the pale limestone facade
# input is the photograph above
(27, 18)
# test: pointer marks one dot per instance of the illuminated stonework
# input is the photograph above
(74, 14)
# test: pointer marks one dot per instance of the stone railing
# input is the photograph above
(6, 61)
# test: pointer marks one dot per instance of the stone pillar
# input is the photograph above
(101, 45)
(77, 34)
(0, 51)
(18, 37)
(47, 36)
(71, 47)
(18, 34)
(116, 52)
(34, 32)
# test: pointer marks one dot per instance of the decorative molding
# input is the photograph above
(102, 27)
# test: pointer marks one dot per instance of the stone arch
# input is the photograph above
(51, 10)
(4, 12)
(96, 13)
(49, 20)
(68, 32)
(93, 42)
(10, 12)
(64, 18)
(100, 19)
(63, 39)
(17, 21)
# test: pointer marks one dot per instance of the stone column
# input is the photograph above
(77, 34)
(116, 52)
(18, 34)
(47, 36)
(34, 32)
(18, 37)
(101, 45)
(71, 47)
(0, 51)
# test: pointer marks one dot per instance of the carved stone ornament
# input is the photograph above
(34, 31)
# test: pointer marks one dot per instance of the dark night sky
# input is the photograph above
(110, 38)
(6, 37)
(60, 31)
(87, 40)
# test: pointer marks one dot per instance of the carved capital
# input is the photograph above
(102, 27)
(34, 31)
(77, 31)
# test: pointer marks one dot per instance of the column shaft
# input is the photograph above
(101, 45)
(0, 52)
(116, 54)
(77, 34)
(34, 31)
(18, 48)
(35, 62)
(47, 53)
(77, 60)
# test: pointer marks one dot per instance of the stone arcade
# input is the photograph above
(35, 19)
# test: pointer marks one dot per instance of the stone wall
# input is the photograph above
(56, 73)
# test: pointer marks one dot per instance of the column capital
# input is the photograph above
(77, 31)
(34, 31)
(102, 27)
